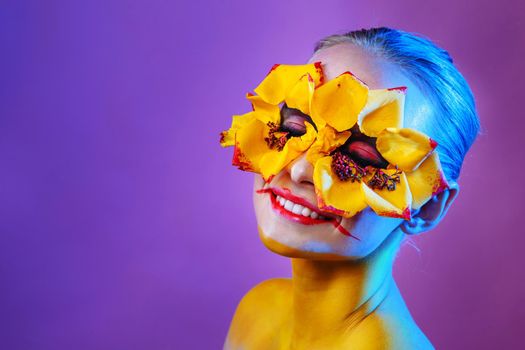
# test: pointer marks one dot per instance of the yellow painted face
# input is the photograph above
(353, 136)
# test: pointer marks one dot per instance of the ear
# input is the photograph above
(431, 213)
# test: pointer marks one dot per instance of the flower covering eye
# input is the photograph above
(293, 121)
(353, 136)
(363, 152)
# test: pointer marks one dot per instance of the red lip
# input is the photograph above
(286, 193)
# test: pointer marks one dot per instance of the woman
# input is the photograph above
(342, 293)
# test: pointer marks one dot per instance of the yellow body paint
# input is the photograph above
(327, 305)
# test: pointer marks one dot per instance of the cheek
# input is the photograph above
(260, 205)
(372, 231)
(258, 183)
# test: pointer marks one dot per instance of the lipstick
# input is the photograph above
(324, 218)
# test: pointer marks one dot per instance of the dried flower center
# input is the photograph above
(276, 138)
(381, 180)
(346, 169)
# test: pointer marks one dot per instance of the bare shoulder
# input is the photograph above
(260, 312)
(263, 317)
(390, 326)
(377, 332)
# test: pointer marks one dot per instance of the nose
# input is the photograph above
(301, 171)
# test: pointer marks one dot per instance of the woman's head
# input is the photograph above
(438, 103)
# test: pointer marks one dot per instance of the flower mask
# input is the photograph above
(353, 136)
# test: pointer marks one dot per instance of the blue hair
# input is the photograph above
(455, 123)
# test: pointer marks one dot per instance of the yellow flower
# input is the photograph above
(259, 143)
(411, 176)
(339, 101)
(335, 109)
(361, 153)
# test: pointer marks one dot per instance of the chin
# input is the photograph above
(297, 253)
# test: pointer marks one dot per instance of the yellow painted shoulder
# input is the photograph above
(259, 314)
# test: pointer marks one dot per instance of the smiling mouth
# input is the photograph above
(295, 208)
(301, 211)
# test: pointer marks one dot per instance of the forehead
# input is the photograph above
(377, 73)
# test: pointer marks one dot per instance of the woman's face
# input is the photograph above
(287, 214)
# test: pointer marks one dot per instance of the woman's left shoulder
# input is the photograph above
(391, 331)
(392, 326)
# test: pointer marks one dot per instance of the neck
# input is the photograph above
(331, 297)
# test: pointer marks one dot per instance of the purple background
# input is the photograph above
(122, 224)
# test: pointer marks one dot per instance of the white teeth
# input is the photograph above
(306, 212)
(288, 205)
(297, 209)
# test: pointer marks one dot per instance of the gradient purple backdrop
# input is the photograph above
(122, 224)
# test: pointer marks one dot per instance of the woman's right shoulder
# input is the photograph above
(268, 298)
(274, 289)
(262, 310)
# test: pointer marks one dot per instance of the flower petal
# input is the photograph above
(282, 78)
(250, 145)
(384, 109)
(273, 161)
(343, 198)
(339, 101)
(265, 112)
(394, 203)
(406, 148)
(328, 139)
(300, 95)
(261, 110)
(238, 121)
(426, 181)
